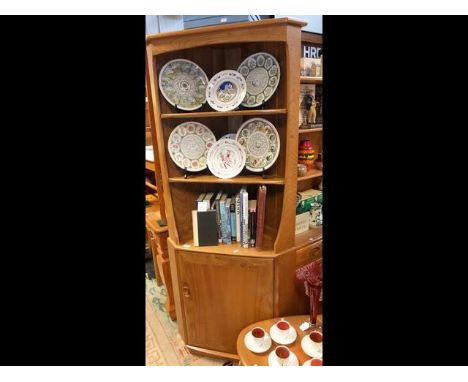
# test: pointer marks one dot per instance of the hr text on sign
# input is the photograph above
(311, 51)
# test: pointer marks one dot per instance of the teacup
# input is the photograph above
(258, 335)
(315, 362)
(283, 354)
(316, 337)
(283, 328)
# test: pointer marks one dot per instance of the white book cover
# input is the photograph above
(245, 218)
(238, 235)
(227, 239)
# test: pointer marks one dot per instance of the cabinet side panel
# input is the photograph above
(175, 286)
(285, 285)
(287, 226)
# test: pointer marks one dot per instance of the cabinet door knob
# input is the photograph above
(186, 290)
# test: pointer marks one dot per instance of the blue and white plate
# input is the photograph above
(226, 90)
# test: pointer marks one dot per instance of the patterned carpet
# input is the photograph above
(164, 346)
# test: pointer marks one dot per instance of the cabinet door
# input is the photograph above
(221, 295)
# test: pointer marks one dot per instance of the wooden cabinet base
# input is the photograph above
(212, 353)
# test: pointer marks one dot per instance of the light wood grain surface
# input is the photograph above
(220, 289)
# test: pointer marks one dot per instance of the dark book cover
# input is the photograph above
(207, 228)
(215, 206)
(252, 222)
(261, 202)
(232, 210)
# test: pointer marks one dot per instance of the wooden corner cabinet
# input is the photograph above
(219, 290)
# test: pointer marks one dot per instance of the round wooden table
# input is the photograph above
(248, 358)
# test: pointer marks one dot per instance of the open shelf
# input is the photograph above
(150, 165)
(307, 237)
(315, 173)
(304, 131)
(227, 249)
(246, 179)
(233, 113)
(311, 80)
(151, 185)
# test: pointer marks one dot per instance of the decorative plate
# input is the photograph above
(261, 142)
(262, 74)
(226, 90)
(282, 339)
(226, 158)
(229, 136)
(188, 145)
(253, 347)
(183, 83)
(312, 349)
(273, 359)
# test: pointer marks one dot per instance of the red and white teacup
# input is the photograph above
(316, 337)
(282, 354)
(315, 362)
(283, 327)
(258, 335)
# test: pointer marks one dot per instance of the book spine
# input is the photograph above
(245, 219)
(252, 224)
(261, 201)
(195, 228)
(218, 217)
(222, 214)
(218, 221)
(228, 224)
(232, 213)
(238, 219)
(200, 205)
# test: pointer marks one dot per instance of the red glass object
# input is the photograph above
(311, 274)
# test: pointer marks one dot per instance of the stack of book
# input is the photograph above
(222, 219)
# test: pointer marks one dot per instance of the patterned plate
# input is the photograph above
(262, 74)
(226, 158)
(183, 83)
(229, 136)
(226, 90)
(188, 145)
(261, 143)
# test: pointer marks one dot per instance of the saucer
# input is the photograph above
(273, 359)
(280, 339)
(253, 347)
(311, 348)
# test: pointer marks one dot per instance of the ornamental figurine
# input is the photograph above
(312, 110)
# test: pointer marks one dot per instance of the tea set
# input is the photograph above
(283, 333)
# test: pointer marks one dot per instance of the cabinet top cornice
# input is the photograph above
(231, 27)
